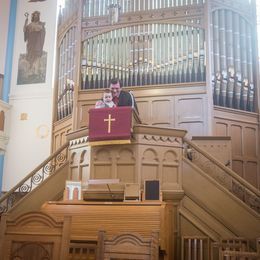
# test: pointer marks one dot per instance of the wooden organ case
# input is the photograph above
(190, 64)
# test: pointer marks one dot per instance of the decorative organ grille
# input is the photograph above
(147, 54)
(101, 7)
(232, 57)
(66, 73)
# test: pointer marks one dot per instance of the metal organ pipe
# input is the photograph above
(144, 55)
(235, 61)
(101, 7)
(223, 63)
(250, 69)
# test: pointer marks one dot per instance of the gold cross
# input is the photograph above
(109, 120)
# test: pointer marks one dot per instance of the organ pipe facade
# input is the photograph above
(157, 42)
(232, 60)
(149, 54)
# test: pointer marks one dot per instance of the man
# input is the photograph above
(121, 98)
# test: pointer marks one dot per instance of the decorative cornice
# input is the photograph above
(82, 140)
(164, 139)
(192, 15)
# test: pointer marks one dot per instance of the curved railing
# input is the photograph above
(230, 180)
(34, 179)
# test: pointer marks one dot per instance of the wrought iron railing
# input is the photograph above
(34, 179)
(230, 180)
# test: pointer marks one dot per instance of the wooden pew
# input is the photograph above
(88, 218)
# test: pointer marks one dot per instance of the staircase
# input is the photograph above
(216, 198)
(44, 183)
(216, 201)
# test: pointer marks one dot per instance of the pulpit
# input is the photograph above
(111, 124)
(114, 158)
(151, 153)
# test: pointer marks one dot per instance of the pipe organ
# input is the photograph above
(156, 42)
(101, 7)
(147, 54)
(66, 73)
(232, 60)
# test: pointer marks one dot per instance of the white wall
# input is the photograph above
(4, 16)
(30, 121)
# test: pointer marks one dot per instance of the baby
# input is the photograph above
(106, 101)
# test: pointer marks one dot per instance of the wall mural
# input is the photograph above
(32, 64)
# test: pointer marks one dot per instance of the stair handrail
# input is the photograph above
(34, 178)
(252, 198)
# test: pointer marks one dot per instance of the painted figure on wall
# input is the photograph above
(32, 65)
(34, 36)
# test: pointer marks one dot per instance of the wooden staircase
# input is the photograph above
(216, 196)
(210, 209)
(46, 182)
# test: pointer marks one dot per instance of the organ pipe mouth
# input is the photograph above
(145, 54)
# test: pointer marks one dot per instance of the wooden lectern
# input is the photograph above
(111, 125)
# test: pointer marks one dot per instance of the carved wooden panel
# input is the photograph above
(243, 129)
(166, 107)
(154, 153)
(170, 170)
(74, 170)
(250, 135)
(217, 146)
(34, 235)
(79, 159)
(84, 172)
(191, 114)
(102, 163)
(79, 164)
(237, 166)
(60, 130)
(126, 166)
(144, 110)
(31, 250)
(128, 246)
(236, 133)
(150, 165)
(251, 172)
(164, 118)
(221, 128)
(83, 115)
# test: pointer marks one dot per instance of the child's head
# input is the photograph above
(107, 96)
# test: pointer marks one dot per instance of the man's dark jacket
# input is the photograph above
(126, 100)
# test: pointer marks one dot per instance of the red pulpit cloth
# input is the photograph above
(110, 123)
